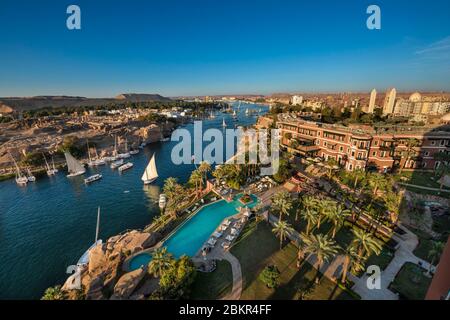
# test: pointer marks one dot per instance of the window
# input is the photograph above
(324, 143)
(353, 153)
(341, 149)
(433, 142)
(376, 143)
(383, 154)
(442, 142)
(374, 154)
(427, 153)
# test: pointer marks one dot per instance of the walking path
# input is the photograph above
(333, 270)
(236, 291)
(424, 188)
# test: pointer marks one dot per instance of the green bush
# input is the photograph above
(270, 276)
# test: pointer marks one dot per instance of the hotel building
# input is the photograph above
(363, 147)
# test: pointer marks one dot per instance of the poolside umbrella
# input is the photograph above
(246, 212)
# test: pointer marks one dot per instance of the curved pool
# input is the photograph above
(189, 238)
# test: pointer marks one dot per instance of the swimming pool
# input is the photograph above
(189, 238)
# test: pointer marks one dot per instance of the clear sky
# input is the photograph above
(196, 47)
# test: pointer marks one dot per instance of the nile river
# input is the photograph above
(46, 226)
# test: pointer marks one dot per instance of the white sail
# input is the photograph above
(72, 164)
(150, 172)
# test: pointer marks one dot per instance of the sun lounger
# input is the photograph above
(226, 245)
(217, 234)
(234, 231)
(230, 238)
(212, 242)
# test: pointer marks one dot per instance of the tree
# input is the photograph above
(309, 214)
(270, 276)
(322, 208)
(176, 281)
(282, 230)
(352, 261)
(160, 263)
(435, 252)
(169, 188)
(204, 169)
(376, 181)
(411, 145)
(358, 176)
(282, 202)
(196, 179)
(365, 243)
(54, 293)
(336, 214)
(320, 246)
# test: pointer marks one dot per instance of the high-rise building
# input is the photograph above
(373, 97)
(389, 101)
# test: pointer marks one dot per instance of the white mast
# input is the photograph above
(98, 225)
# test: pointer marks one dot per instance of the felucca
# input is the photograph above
(150, 173)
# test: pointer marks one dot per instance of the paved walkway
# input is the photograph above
(404, 254)
(424, 188)
(236, 291)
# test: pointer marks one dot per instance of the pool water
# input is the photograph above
(189, 238)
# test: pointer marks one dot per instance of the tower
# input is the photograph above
(389, 101)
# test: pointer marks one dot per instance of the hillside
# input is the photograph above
(29, 103)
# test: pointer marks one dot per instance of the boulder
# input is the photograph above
(97, 259)
(128, 283)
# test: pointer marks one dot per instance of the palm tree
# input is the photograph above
(410, 152)
(435, 252)
(204, 169)
(161, 262)
(282, 202)
(336, 214)
(282, 230)
(196, 179)
(352, 261)
(309, 212)
(320, 246)
(358, 175)
(170, 186)
(365, 243)
(376, 181)
(322, 208)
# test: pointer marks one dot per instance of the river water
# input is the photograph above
(47, 225)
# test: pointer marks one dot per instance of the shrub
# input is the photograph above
(270, 276)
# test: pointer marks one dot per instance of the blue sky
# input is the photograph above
(195, 47)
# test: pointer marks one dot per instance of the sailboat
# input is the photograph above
(74, 167)
(30, 177)
(53, 166)
(98, 161)
(150, 173)
(84, 259)
(224, 124)
(234, 115)
(90, 163)
(126, 154)
(50, 171)
(246, 112)
(20, 178)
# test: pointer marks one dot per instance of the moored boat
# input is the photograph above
(116, 164)
(162, 201)
(126, 166)
(93, 178)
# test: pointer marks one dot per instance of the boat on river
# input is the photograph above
(150, 173)
(74, 167)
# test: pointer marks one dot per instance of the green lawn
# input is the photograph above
(411, 283)
(214, 285)
(258, 248)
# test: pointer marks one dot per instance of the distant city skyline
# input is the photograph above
(231, 48)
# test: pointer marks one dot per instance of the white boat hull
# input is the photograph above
(76, 174)
(149, 181)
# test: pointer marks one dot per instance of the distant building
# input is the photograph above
(297, 100)
(389, 101)
(373, 98)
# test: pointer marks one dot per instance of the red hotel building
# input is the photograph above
(363, 147)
